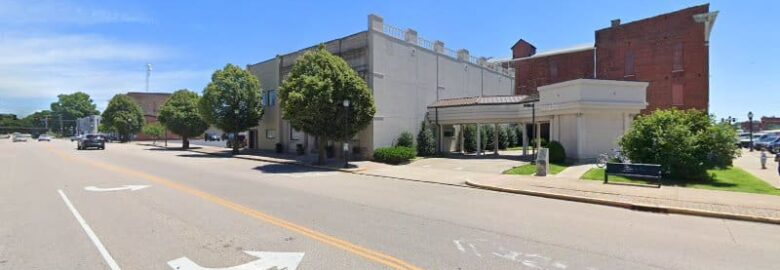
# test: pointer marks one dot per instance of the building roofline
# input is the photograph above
(573, 49)
(149, 93)
(707, 5)
(309, 48)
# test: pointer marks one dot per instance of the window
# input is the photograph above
(677, 95)
(678, 57)
(629, 62)
(270, 133)
(295, 134)
(269, 98)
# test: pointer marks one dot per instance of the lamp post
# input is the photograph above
(533, 128)
(750, 127)
(346, 142)
(236, 144)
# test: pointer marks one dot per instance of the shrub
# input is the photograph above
(405, 140)
(511, 136)
(426, 144)
(684, 143)
(394, 155)
(487, 137)
(542, 142)
(503, 138)
(557, 152)
(470, 138)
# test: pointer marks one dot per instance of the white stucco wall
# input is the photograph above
(405, 83)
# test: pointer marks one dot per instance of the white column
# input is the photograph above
(479, 140)
(538, 135)
(525, 139)
(495, 139)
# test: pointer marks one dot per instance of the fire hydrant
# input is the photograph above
(763, 160)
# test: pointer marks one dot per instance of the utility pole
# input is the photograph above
(62, 130)
(148, 73)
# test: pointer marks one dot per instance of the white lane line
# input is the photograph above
(102, 249)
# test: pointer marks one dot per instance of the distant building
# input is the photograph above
(770, 123)
(88, 125)
(670, 51)
(150, 103)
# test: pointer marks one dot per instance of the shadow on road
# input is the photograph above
(171, 149)
(201, 156)
(286, 168)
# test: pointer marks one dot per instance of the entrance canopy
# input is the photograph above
(585, 115)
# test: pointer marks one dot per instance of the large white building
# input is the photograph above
(414, 79)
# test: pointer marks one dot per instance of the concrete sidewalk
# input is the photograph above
(678, 200)
(751, 162)
(689, 201)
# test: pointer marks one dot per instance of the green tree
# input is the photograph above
(684, 143)
(71, 107)
(511, 136)
(503, 137)
(154, 130)
(39, 119)
(470, 138)
(405, 139)
(232, 101)
(123, 115)
(426, 143)
(487, 137)
(181, 115)
(312, 96)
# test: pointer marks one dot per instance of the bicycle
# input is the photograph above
(603, 158)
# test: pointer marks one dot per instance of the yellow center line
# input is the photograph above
(369, 254)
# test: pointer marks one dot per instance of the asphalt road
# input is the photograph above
(212, 210)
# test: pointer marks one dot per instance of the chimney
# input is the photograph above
(375, 23)
(523, 49)
(615, 23)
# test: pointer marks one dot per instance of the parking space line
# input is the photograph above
(91, 234)
(366, 253)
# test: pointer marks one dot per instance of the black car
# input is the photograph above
(211, 137)
(93, 141)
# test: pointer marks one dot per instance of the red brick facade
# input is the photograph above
(669, 51)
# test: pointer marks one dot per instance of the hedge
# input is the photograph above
(394, 155)
(557, 152)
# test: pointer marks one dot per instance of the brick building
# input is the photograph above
(150, 105)
(670, 51)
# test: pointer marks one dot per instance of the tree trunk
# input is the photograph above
(321, 151)
(235, 143)
(185, 143)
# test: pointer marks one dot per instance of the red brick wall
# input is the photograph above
(652, 42)
(537, 71)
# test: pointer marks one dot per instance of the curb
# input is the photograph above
(632, 206)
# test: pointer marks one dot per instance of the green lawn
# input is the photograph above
(731, 179)
(530, 169)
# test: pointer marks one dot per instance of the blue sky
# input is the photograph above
(101, 47)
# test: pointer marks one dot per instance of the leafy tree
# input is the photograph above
(180, 115)
(684, 143)
(39, 119)
(70, 107)
(232, 101)
(426, 143)
(154, 130)
(405, 139)
(311, 98)
(487, 137)
(123, 115)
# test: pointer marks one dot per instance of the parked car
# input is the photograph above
(91, 141)
(211, 137)
(44, 138)
(5, 136)
(21, 137)
(764, 141)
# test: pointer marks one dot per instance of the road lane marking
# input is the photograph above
(265, 261)
(369, 254)
(91, 234)
(125, 187)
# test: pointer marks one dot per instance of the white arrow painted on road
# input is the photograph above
(125, 187)
(265, 261)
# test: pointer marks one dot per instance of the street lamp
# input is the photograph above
(533, 127)
(750, 124)
(346, 143)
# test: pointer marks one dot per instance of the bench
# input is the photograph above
(647, 171)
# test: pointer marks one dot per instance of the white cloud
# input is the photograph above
(26, 12)
(43, 66)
